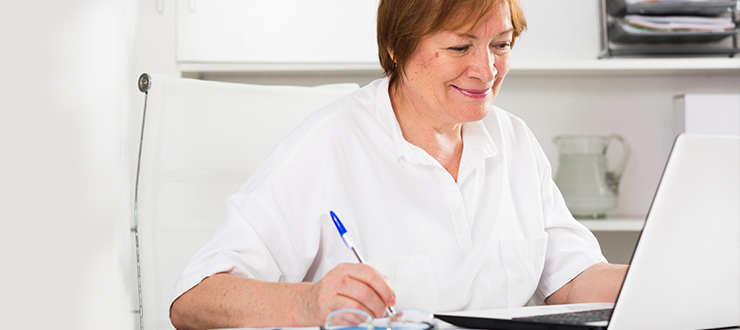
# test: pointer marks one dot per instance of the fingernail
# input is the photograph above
(392, 300)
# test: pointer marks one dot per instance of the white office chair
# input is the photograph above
(199, 142)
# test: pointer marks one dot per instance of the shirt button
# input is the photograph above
(458, 210)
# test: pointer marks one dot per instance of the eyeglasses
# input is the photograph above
(403, 319)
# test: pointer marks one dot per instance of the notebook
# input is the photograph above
(685, 271)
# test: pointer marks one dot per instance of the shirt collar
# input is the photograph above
(387, 119)
(478, 144)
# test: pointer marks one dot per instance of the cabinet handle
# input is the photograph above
(160, 6)
(191, 5)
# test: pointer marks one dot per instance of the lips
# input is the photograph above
(473, 93)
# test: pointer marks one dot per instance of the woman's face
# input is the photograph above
(457, 74)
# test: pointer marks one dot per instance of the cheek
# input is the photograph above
(429, 71)
(418, 66)
(502, 65)
(428, 62)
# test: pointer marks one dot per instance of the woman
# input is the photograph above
(449, 198)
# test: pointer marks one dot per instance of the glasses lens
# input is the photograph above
(348, 319)
(412, 319)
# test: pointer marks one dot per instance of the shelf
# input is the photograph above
(630, 65)
(594, 66)
(630, 41)
(274, 67)
(615, 224)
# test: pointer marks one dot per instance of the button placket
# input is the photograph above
(459, 218)
(456, 204)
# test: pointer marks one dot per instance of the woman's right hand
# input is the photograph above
(357, 286)
(231, 301)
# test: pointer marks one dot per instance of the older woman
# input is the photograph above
(449, 198)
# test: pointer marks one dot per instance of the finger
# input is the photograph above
(375, 280)
(346, 320)
(363, 294)
(343, 301)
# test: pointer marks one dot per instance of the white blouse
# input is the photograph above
(497, 237)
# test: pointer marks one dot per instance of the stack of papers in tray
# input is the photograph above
(637, 23)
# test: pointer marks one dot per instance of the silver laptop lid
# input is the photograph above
(685, 273)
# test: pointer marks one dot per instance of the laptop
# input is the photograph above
(685, 270)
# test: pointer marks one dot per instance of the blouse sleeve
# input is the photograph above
(238, 247)
(571, 247)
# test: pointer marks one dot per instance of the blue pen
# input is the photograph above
(348, 243)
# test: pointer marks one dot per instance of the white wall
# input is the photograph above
(64, 230)
(638, 106)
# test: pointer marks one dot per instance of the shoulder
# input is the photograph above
(337, 122)
(313, 146)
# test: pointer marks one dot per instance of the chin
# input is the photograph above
(480, 111)
(483, 115)
(471, 115)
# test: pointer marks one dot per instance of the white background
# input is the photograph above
(67, 67)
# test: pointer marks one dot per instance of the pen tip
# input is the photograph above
(337, 223)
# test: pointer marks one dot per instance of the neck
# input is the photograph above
(422, 128)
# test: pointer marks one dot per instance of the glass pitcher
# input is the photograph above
(588, 186)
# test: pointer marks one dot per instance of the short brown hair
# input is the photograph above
(402, 24)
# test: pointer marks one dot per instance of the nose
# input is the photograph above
(482, 65)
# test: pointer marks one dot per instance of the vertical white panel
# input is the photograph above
(63, 227)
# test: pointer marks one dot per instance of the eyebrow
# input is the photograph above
(468, 35)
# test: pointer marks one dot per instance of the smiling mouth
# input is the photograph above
(473, 93)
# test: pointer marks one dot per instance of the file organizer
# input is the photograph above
(617, 39)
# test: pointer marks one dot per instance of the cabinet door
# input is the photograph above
(277, 31)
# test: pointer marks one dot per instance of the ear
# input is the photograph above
(390, 53)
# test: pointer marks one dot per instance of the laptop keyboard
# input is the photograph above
(571, 317)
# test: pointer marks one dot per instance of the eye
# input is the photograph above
(502, 47)
(459, 49)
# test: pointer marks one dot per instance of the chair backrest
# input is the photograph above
(200, 141)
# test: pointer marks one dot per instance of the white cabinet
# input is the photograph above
(276, 31)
